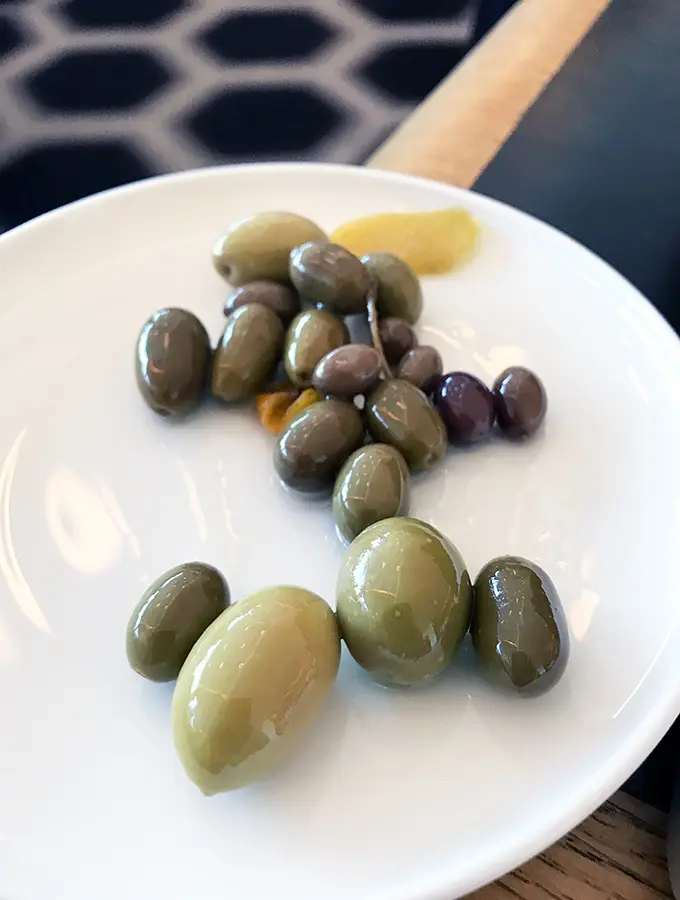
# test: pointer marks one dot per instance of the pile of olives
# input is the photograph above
(351, 418)
(356, 420)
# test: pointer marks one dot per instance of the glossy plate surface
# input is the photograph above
(395, 795)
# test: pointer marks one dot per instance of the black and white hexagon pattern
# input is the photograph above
(96, 93)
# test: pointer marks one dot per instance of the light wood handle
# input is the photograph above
(454, 134)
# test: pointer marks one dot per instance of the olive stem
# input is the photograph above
(372, 304)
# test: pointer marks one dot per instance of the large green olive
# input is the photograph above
(311, 335)
(372, 485)
(259, 246)
(398, 288)
(311, 449)
(399, 414)
(519, 630)
(252, 685)
(171, 616)
(403, 601)
(329, 275)
(172, 361)
(247, 352)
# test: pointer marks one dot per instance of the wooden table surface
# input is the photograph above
(598, 156)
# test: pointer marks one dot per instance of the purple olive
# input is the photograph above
(466, 407)
(520, 402)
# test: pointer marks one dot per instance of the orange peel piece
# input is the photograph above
(306, 398)
(432, 243)
(272, 408)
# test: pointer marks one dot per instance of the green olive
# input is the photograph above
(399, 414)
(327, 274)
(403, 601)
(372, 485)
(172, 361)
(252, 685)
(247, 352)
(171, 616)
(519, 630)
(311, 449)
(259, 246)
(311, 335)
(398, 288)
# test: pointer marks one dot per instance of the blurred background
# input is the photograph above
(97, 93)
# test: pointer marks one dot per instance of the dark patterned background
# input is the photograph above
(96, 93)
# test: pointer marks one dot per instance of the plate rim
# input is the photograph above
(651, 728)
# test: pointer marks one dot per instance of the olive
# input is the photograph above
(311, 449)
(519, 630)
(328, 275)
(397, 338)
(403, 601)
(466, 407)
(247, 352)
(397, 285)
(372, 485)
(348, 371)
(311, 335)
(398, 413)
(171, 616)
(252, 685)
(423, 367)
(259, 246)
(520, 402)
(172, 361)
(278, 297)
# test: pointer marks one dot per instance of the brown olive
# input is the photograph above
(278, 297)
(423, 367)
(397, 338)
(520, 402)
(172, 361)
(348, 371)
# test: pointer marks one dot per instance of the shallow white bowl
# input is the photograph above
(395, 795)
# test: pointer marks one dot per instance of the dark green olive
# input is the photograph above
(328, 275)
(348, 371)
(281, 299)
(259, 246)
(311, 335)
(172, 361)
(247, 352)
(423, 367)
(171, 616)
(519, 630)
(399, 414)
(252, 686)
(403, 601)
(312, 448)
(398, 288)
(372, 485)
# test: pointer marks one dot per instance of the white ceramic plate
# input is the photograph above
(395, 795)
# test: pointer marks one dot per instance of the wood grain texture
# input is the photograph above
(461, 126)
(618, 853)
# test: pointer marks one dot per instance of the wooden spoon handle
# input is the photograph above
(458, 129)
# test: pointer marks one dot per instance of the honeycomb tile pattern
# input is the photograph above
(96, 93)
